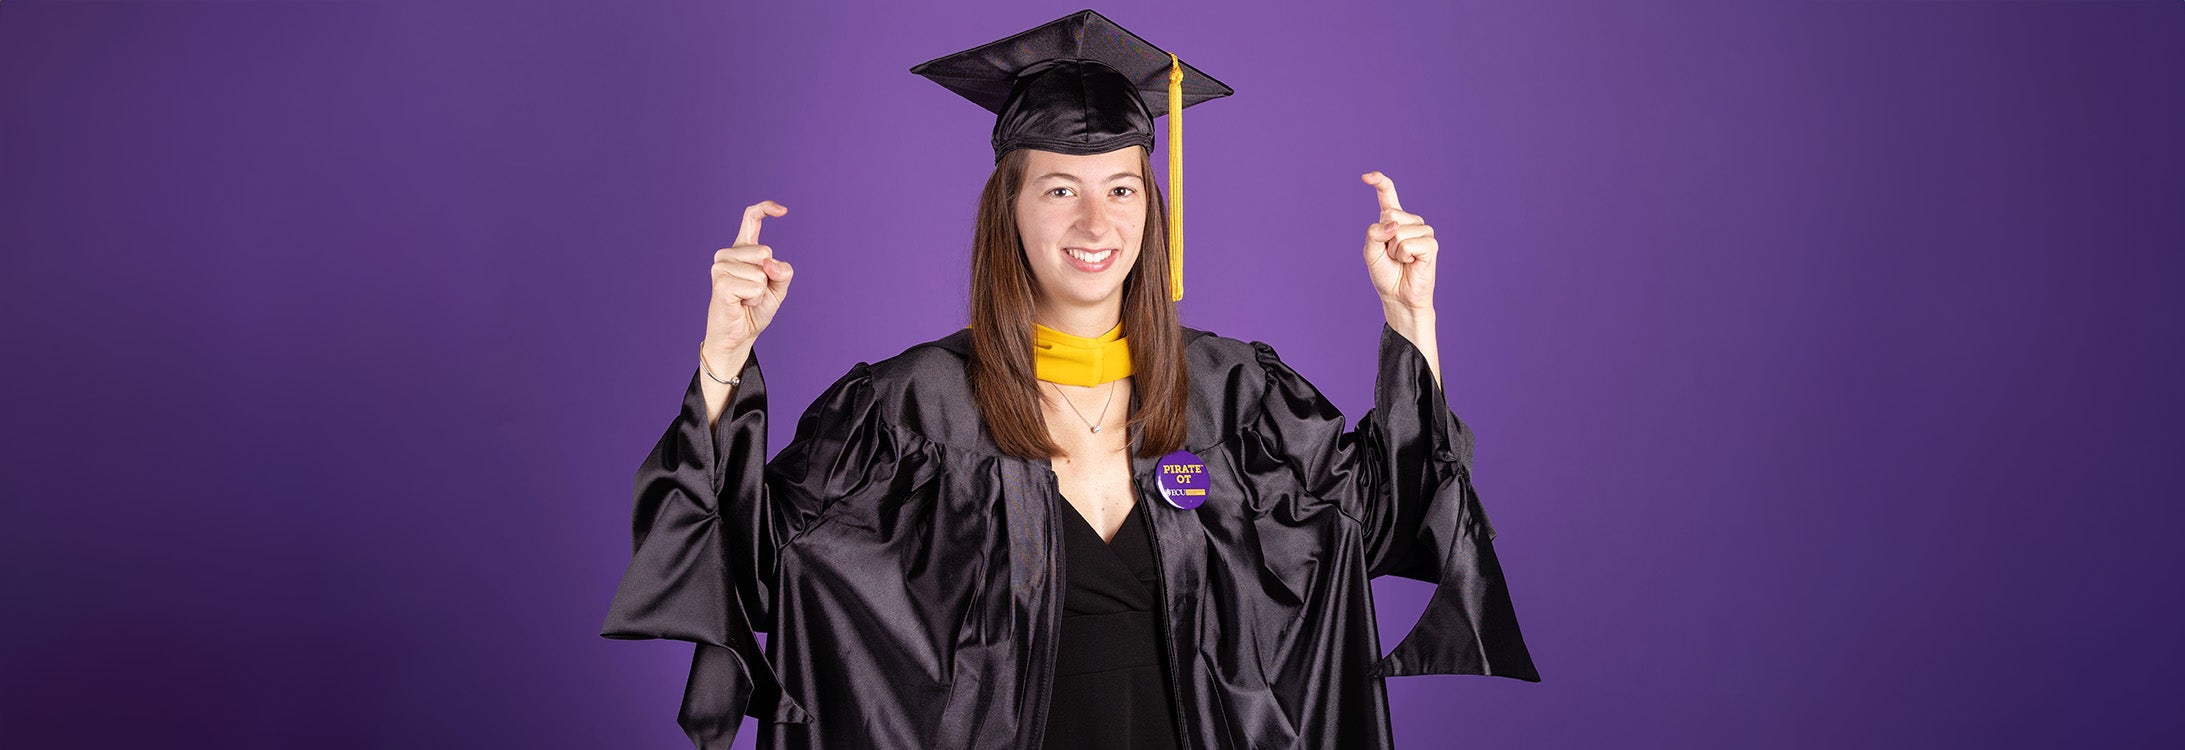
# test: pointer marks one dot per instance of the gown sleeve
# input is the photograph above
(709, 518)
(1405, 476)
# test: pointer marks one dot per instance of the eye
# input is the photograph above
(1123, 192)
(1054, 191)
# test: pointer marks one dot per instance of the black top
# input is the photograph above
(1111, 686)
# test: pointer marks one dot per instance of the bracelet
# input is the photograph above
(703, 365)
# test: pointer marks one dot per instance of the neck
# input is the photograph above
(1062, 357)
(1088, 321)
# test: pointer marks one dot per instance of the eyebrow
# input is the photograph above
(1073, 178)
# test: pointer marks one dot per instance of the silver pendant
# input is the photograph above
(1096, 429)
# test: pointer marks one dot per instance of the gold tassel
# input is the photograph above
(1175, 179)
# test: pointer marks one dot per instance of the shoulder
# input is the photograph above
(940, 363)
(1214, 352)
(926, 390)
(1239, 361)
(1234, 384)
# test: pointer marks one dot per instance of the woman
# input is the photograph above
(1074, 523)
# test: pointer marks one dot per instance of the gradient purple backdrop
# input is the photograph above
(1823, 355)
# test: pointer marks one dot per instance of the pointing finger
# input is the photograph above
(751, 253)
(749, 233)
(1384, 189)
(1401, 216)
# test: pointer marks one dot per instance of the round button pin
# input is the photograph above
(1183, 480)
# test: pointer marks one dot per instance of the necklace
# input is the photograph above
(1080, 414)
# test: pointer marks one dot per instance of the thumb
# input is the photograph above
(778, 273)
(1377, 237)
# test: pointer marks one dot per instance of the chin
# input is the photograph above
(1094, 299)
(1079, 297)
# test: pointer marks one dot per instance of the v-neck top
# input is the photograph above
(1110, 688)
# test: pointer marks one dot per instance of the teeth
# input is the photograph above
(1090, 257)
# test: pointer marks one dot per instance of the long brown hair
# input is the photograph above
(1003, 297)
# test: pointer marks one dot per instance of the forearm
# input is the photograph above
(1417, 326)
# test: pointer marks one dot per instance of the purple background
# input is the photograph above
(1823, 355)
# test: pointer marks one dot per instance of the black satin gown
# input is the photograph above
(1111, 689)
(911, 574)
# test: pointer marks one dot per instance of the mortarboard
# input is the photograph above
(1082, 85)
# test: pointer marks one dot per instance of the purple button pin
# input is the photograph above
(1183, 480)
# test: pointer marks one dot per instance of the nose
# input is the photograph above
(1093, 220)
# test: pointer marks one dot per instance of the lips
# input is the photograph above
(1100, 258)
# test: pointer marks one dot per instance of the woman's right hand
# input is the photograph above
(749, 285)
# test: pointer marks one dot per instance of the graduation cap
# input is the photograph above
(1082, 85)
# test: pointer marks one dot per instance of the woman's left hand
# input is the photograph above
(1400, 254)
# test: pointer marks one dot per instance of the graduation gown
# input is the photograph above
(908, 571)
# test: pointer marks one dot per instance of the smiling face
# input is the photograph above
(1082, 219)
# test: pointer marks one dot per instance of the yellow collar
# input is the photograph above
(1075, 360)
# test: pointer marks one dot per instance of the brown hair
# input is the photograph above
(1002, 304)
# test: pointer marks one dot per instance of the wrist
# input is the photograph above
(1417, 326)
(723, 363)
(1407, 320)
